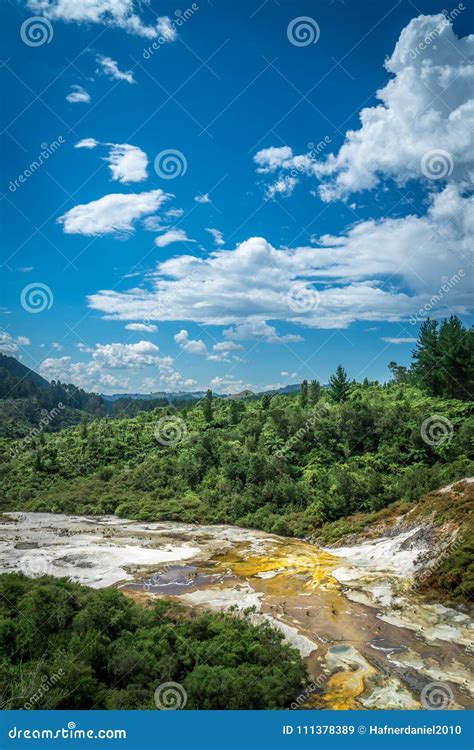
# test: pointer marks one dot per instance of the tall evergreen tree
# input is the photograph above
(427, 358)
(314, 392)
(304, 394)
(456, 348)
(339, 384)
(207, 406)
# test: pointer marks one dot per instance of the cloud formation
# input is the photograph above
(11, 344)
(121, 14)
(78, 95)
(108, 365)
(110, 67)
(425, 116)
(146, 327)
(171, 236)
(352, 277)
(127, 163)
(217, 235)
(112, 214)
(192, 346)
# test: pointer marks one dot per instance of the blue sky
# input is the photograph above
(329, 246)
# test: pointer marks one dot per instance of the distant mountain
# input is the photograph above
(294, 388)
(242, 394)
(170, 395)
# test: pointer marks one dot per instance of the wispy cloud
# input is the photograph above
(110, 67)
(78, 95)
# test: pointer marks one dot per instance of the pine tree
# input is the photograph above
(207, 406)
(339, 384)
(314, 392)
(456, 348)
(304, 394)
(427, 356)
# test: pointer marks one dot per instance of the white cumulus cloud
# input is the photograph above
(115, 213)
(11, 344)
(193, 346)
(351, 277)
(127, 163)
(425, 115)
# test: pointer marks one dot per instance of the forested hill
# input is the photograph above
(26, 398)
(283, 463)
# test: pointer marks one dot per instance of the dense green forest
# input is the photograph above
(63, 646)
(282, 463)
